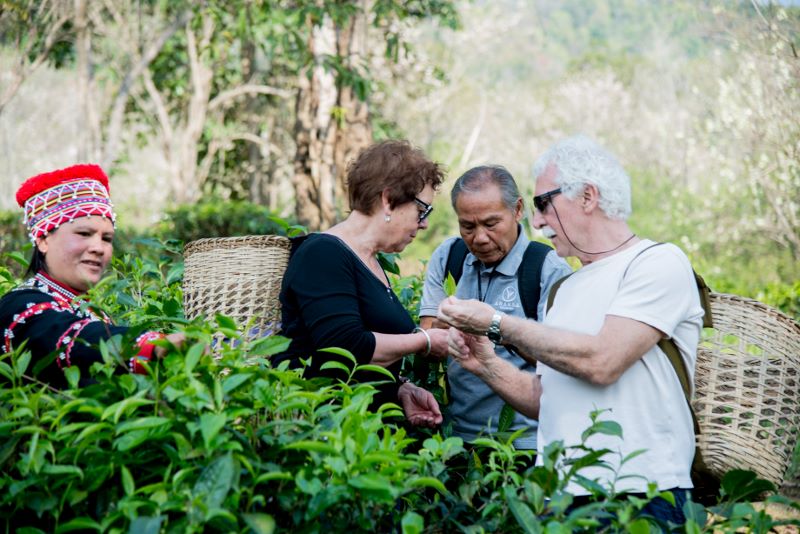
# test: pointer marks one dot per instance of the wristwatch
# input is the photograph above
(493, 333)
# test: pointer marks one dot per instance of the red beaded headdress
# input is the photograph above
(53, 198)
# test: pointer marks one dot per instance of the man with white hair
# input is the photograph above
(597, 347)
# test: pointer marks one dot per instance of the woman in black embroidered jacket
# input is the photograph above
(335, 293)
(70, 220)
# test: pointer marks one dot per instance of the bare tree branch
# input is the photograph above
(204, 169)
(114, 130)
(20, 72)
(249, 89)
(161, 109)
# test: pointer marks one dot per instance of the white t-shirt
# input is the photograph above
(647, 400)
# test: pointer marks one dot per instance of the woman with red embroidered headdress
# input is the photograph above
(70, 220)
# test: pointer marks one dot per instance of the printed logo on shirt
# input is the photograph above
(507, 299)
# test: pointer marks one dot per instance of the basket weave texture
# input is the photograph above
(236, 276)
(747, 394)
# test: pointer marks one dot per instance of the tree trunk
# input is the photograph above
(83, 42)
(332, 123)
(188, 186)
(315, 134)
(354, 133)
(256, 191)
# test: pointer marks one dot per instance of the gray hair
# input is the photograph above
(579, 161)
(475, 179)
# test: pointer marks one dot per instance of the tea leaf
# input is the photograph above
(260, 523)
(234, 381)
(376, 369)
(412, 523)
(146, 525)
(210, 425)
(312, 446)
(506, 418)
(6, 371)
(175, 273)
(278, 475)
(223, 321)
(131, 440)
(125, 407)
(522, 513)
(450, 285)
(215, 481)
(193, 356)
(51, 469)
(73, 376)
(127, 481)
(333, 364)
(341, 352)
(142, 423)
(639, 526)
(269, 346)
(79, 523)
(428, 482)
(21, 363)
(611, 428)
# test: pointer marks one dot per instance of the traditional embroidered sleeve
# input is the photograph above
(46, 326)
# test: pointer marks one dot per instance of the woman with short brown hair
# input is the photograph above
(336, 294)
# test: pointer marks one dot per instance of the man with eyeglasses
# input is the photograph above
(597, 347)
(489, 209)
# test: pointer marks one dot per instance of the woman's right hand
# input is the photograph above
(176, 338)
(438, 343)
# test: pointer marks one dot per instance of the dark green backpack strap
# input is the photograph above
(705, 300)
(455, 259)
(529, 278)
(551, 297)
(674, 355)
(668, 345)
(706, 483)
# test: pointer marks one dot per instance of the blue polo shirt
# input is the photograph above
(474, 408)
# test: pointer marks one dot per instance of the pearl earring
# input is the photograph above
(387, 218)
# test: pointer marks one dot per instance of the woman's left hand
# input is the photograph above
(439, 340)
(419, 405)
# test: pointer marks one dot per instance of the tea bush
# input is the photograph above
(223, 441)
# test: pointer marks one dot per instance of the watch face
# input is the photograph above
(493, 336)
(493, 333)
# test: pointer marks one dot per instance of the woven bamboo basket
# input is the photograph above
(236, 276)
(747, 390)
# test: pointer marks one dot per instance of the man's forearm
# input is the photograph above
(598, 359)
(564, 351)
(427, 322)
(520, 389)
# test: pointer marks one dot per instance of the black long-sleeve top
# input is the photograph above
(50, 318)
(330, 298)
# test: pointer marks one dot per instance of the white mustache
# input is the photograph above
(548, 232)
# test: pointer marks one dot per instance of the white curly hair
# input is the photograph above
(579, 160)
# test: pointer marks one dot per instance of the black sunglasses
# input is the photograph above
(542, 201)
(426, 209)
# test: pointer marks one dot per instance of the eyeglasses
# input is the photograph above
(542, 201)
(426, 209)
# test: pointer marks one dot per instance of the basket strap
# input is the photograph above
(551, 297)
(674, 355)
